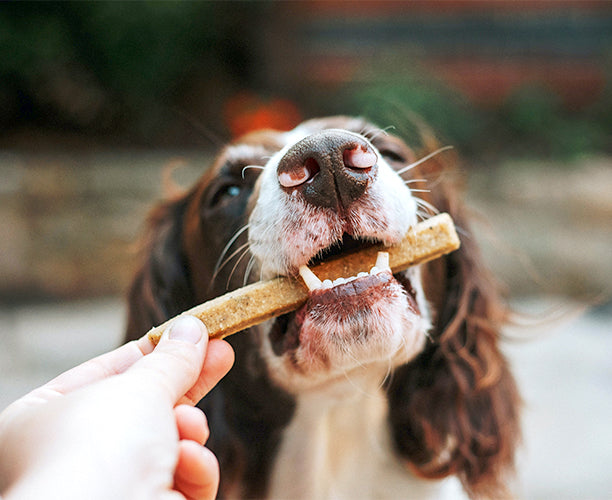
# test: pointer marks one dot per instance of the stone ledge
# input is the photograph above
(550, 225)
(68, 222)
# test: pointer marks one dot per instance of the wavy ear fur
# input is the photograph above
(161, 288)
(454, 409)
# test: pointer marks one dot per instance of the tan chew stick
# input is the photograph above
(255, 303)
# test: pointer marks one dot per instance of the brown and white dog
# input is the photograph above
(381, 386)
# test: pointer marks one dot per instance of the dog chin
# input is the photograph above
(369, 326)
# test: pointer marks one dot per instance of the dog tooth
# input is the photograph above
(382, 261)
(314, 283)
(310, 279)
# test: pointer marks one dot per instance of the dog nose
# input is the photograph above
(331, 169)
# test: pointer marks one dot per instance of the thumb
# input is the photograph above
(175, 364)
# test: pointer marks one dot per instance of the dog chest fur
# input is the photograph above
(338, 447)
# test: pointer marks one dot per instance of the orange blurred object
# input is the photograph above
(246, 112)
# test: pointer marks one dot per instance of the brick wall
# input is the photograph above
(487, 49)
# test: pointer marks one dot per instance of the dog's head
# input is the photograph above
(275, 201)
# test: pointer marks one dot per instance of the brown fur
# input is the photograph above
(452, 410)
(458, 399)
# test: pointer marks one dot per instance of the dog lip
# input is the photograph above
(352, 293)
(355, 297)
(355, 292)
(348, 299)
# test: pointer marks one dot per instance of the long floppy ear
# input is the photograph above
(454, 409)
(161, 287)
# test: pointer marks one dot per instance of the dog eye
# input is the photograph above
(224, 193)
(393, 156)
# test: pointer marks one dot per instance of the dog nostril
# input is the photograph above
(294, 177)
(359, 157)
(299, 173)
(329, 169)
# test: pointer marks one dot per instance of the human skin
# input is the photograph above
(122, 425)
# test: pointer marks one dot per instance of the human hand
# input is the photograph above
(121, 425)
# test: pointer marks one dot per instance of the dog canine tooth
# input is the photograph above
(382, 261)
(310, 279)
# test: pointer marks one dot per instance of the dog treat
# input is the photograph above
(258, 302)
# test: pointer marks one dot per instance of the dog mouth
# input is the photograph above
(371, 318)
(343, 287)
(354, 294)
(347, 244)
(349, 285)
(348, 310)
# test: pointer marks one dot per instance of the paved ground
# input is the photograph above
(564, 372)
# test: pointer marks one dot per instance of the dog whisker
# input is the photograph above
(347, 374)
(379, 132)
(424, 159)
(463, 232)
(245, 251)
(356, 386)
(248, 270)
(423, 215)
(240, 249)
(232, 240)
(360, 364)
(426, 205)
(256, 167)
(431, 182)
(388, 373)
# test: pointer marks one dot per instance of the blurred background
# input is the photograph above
(99, 99)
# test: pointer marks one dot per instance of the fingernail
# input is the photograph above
(187, 329)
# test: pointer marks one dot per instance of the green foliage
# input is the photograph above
(137, 54)
(133, 59)
(142, 47)
(411, 104)
(532, 122)
(536, 118)
(30, 37)
(128, 45)
(531, 110)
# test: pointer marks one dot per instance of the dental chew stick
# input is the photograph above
(258, 302)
